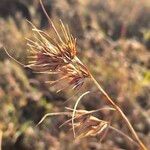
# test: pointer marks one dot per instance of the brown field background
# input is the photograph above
(113, 40)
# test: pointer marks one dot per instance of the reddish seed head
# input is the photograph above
(49, 55)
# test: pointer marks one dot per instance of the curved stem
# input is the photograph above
(121, 113)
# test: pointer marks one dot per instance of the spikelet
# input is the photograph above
(85, 124)
(51, 56)
(47, 54)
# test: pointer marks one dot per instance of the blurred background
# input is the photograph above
(113, 39)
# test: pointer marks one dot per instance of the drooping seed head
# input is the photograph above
(87, 125)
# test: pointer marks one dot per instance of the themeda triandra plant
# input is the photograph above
(51, 56)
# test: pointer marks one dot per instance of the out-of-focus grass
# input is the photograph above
(122, 66)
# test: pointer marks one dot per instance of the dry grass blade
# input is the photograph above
(75, 108)
(51, 114)
(13, 58)
(118, 109)
(123, 134)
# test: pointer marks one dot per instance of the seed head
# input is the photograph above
(48, 55)
(87, 125)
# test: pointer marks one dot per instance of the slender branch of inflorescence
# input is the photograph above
(120, 112)
(117, 108)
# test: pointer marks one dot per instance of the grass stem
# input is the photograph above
(121, 113)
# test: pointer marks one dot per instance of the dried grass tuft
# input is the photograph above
(87, 125)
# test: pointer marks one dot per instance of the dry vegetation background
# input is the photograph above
(113, 39)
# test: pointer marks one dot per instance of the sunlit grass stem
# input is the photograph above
(120, 112)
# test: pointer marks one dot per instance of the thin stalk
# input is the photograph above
(121, 113)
